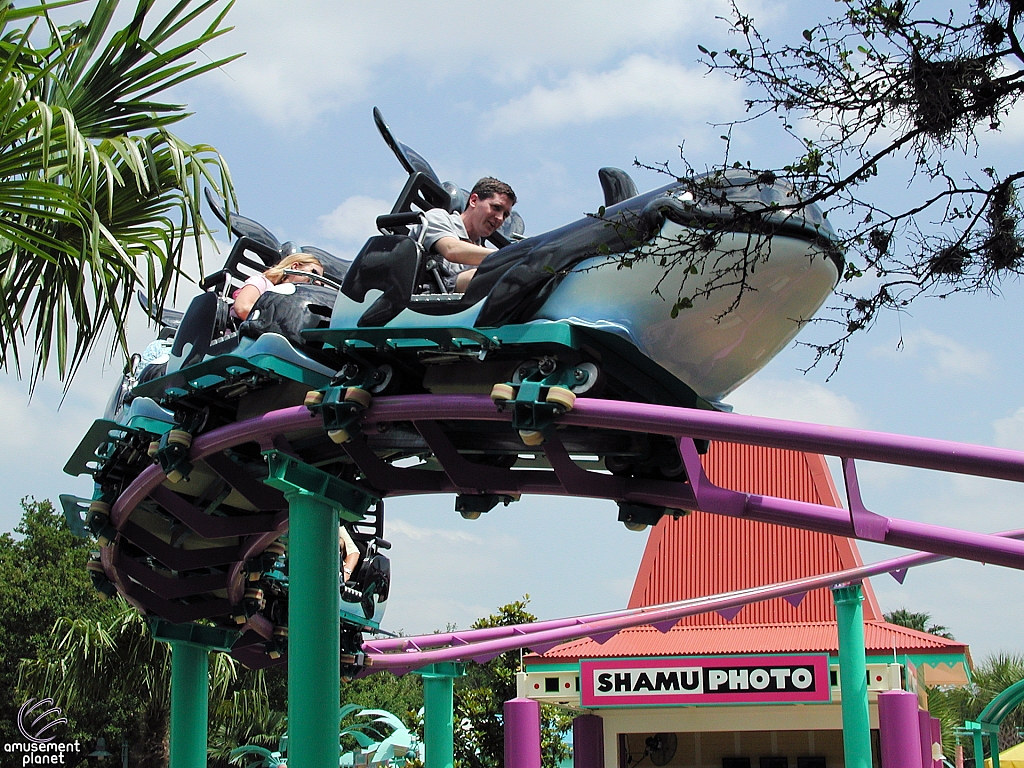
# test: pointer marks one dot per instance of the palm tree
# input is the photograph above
(989, 678)
(97, 197)
(922, 622)
(244, 722)
(113, 673)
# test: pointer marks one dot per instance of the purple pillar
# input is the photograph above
(925, 721)
(899, 730)
(522, 733)
(588, 742)
(937, 738)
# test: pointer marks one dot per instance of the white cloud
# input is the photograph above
(942, 356)
(796, 400)
(1009, 432)
(345, 46)
(642, 84)
(353, 221)
(446, 573)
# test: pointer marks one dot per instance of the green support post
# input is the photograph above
(439, 713)
(980, 733)
(315, 501)
(191, 645)
(314, 634)
(190, 691)
(853, 680)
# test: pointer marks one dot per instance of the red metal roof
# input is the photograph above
(812, 637)
(705, 554)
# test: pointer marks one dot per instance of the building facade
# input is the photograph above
(758, 686)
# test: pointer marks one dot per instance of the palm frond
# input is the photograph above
(97, 198)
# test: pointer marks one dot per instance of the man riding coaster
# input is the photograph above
(458, 237)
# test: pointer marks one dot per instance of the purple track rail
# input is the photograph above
(570, 479)
(434, 415)
(401, 655)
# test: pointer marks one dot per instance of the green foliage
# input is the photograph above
(922, 622)
(97, 197)
(401, 696)
(112, 679)
(990, 678)
(480, 698)
(250, 710)
(98, 661)
(42, 569)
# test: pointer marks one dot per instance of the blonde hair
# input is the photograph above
(276, 273)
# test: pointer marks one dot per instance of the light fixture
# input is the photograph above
(101, 749)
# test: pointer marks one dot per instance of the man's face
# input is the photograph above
(483, 216)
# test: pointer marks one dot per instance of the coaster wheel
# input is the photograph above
(179, 437)
(502, 393)
(97, 508)
(313, 397)
(561, 396)
(359, 396)
(531, 437)
(339, 436)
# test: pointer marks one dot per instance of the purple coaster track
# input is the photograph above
(401, 655)
(434, 416)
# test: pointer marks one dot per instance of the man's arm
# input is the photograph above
(460, 252)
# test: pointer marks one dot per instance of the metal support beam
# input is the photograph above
(316, 501)
(314, 633)
(439, 713)
(853, 681)
(190, 690)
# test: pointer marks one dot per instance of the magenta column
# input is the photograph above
(937, 738)
(588, 742)
(522, 733)
(925, 729)
(899, 730)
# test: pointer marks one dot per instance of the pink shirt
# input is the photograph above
(259, 282)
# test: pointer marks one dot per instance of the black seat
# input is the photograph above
(420, 193)
(247, 258)
(198, 329)
(388, 263)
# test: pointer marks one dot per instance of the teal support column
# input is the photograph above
(439, 713)
(316, 501)
(191, 645)
(190, 691)
(314, 633)
(853, 679)
(980, 732)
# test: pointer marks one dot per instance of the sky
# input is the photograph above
(541, 95)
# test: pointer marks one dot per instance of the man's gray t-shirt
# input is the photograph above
(440, 224)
